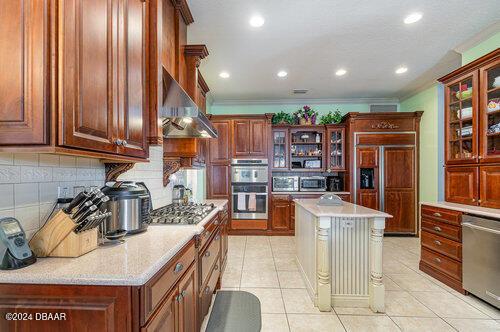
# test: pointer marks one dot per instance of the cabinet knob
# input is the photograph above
(207, 289)
(183, 293)
(437, 228)
(437, 214)
(437, 242)
(479, 201)
(118, 142)
(178, 268)
(216, 267)
(473, 200)
(217, 238)
(178, 298)
(124, 143)
(207, 254)
(437, 260)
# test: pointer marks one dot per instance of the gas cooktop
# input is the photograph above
(183, 214)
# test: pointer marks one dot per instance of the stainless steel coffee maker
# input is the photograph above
(178, 194)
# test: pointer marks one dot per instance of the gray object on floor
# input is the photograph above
(235, 311)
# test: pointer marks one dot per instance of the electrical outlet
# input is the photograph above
(62, 192)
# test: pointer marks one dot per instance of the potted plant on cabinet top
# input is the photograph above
(282, 118)
(331, 118)
(306, 116)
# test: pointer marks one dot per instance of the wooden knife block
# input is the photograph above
(56, 238)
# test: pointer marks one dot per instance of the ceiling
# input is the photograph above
(312, 39)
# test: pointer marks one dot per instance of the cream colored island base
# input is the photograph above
(339, 252)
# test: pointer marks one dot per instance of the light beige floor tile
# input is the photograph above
(389, 284)
(395, 267)
(401, 303)
(474, 325)
(258, 264)
(312, 323)
(414, 282)
(479, 304)
(356, 311)
(258, 252)
(297, 301)
(368, 323)
(290, 279)
(283, 250)
(282, 239)
(270, 299)
(257, 279)
(285, 262)
(274, 323)
(231, 278)
(258, 241)
(419, 324)
(234, 263)
(447, 305)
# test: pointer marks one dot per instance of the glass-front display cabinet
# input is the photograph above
(307, 149)
(280, 148)
(336, 150)
(490, 112)
(461, 119)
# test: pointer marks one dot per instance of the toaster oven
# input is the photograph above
(313, 183)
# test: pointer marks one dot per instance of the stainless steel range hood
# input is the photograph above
(180, 116)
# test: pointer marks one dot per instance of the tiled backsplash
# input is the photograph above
(29, 183)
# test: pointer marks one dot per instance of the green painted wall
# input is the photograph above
(481, 49)
(261, 109)
(427, 101)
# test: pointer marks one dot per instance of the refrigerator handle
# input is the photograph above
(381, 183)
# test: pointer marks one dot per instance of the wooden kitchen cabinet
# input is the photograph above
(167, 318)
(250, 137)
(367, 157)
(336, 151)
(461, 185)
(24, 84)
(241, 135)
(187, 299)
(489, 186)
(220, 148)
(281, 212)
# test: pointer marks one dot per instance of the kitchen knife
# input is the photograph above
(76, 201)
(82, 225)
(81, 209)
(101, 201)
(85, 214)
(96, 198)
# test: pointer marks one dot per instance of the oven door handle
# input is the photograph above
(484, 229)
(257, 194)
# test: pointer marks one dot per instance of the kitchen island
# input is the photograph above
(339, 253)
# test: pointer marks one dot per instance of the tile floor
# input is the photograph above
(265, 266)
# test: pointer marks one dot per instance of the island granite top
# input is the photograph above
(347, 210)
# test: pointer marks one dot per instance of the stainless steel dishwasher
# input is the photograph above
(481, 258)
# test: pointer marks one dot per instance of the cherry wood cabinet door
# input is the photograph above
(489, 186)
(280, 206)
(461, 185)
(368, 199)
(87, 84)
(24, 64)
(241, 138)
(399, 187)
(166, 318)
(219, 148)
(218, 181)
(367, 157)
(187, 300)
(489, 114)
(258, 138)
(133, 110)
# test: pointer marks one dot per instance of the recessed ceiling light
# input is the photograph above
(341, 72)
(224, 74)
(412, 18)
(256, 21)
(282, 73)
(401, 70)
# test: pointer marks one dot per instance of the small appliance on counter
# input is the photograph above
(14, 250)
(285, 183)
(130, 205)
(334, 183)
(178, 194)
(312, 183)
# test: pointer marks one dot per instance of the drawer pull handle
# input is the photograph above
(207, 290)
(216, 267)
(437, 242)
(207, 254)
(178, 298)
(437, 214)
(178, 268)
(437, 260)
(437, 229)
(183, 293)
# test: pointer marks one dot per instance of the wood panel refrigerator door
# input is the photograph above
(133, 111)
(24, 108)
(87, 74)
(367, 177)
(399, 189)
(241, 135)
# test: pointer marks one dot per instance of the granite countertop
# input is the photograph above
(470, 209)
(310, 192)
(132, 263)
(347, 210)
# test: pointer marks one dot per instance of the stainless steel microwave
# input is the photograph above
(285, 183)
(312, 183)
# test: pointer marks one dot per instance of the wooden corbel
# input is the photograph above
(170, 166)
(114, 170)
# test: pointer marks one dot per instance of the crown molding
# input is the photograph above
(203, 84)
(200, 50)
(307, 101)
(478, 38)
(183, 8)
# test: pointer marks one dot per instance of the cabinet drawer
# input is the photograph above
(450, 231)
(442, 263)
(442, 245)
(208, 291)
(157, 287)
(450, 216)
(164, 317)
(209, 257)
(208, 231)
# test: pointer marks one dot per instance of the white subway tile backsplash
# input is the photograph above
(36, 174)
(48, 192)
(7, 213)
(67, 161)
(28, 216)
(64, 174)
(51, 160)
(85, 174)
(6, 159)
(100, 174)
(82, 162)
(25, 194)
(6, 196)
(10, 174)
(45, 211)
(26, 159)
(96, 163)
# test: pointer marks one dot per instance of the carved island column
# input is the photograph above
(323, 274)
(376, 288)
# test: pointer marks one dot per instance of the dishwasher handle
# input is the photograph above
(481, 228)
